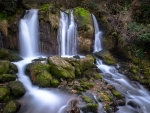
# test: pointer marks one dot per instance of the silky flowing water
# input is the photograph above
(131, 90)
(36, 100)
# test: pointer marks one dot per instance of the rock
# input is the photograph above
(106, 57)
(37, 68)
(85, 29)
(98, 76)
(9, 55)
(117, 94)
(85, 63)
(16, 89)
(90, 107)
(43, 79)
(7, 77)
(54, 82)
(11, 107)
(61, 68)
(13, 68)
(4, 94)
(4, 66)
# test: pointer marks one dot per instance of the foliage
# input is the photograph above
(3, 16)
(89, 4)
(44, 7)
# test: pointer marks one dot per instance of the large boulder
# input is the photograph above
(11, 107)
(37, 68)
(106, 57)
(16, 89)
(7, 77)
(4, 94)
(61, 68)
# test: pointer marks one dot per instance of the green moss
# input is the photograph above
(44, 7)
(11, 107)
(54, 82)
(86, 99)
(3, 16)
(117, 94)
(43, 79)
(107, 108)
(82, 13)
(4, 66)
(7, 77)
(4, 94)
(98, 76)
(90, 107)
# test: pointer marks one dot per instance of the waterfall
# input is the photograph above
(131, 90)
(67, 35)
(28, 34)
(35, 100)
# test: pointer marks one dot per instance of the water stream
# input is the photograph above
(132, 91)
(67, 35)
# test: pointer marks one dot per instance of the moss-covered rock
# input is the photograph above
(16, 89)
(54, 82)
(36, 68)
(4, 66)
(106, 57)
(117, 94)
(61, 68)
(98, 76)
(7, 77)
(43, 79)
(90, 107)
(85, 63)
(9, 55)
(11, 107)
(86, 99)
(4, 94)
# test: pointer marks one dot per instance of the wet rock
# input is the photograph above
(16, 89)
(4, 94)
(106, 57)
(9, 55)
(7, 77)
(98, 76)
(54, 82)
(11, 107)
(117, 94)
(90, 107)
(43, 79)
(4, 66)
(61, 68)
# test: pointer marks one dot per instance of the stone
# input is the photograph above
(54, 82)
(11, 107)
(4, 94)
(16, 88)
(7, 77)
(4, 66)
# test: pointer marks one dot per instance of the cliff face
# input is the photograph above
(115, 18)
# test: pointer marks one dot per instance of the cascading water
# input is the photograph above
(35, 100)
(28, 34)
(67, 35)
(133, 91)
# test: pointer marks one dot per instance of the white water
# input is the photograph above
(132, 90)
(67, 35)
(35, 100)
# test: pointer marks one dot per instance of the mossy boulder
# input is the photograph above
(16, 88)
(106, 57)
(4, 66)
(37, 68)
(98, 76)
(90, 107)
(54, 82)
(11, 107)
(85, 63)
(4, 94)
(7, 77)
(43, 79)
(9, 55)
(61, 68)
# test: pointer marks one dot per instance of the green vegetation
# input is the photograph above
(44, 7)
(3, 16)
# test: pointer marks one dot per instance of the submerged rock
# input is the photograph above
(11, 107)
